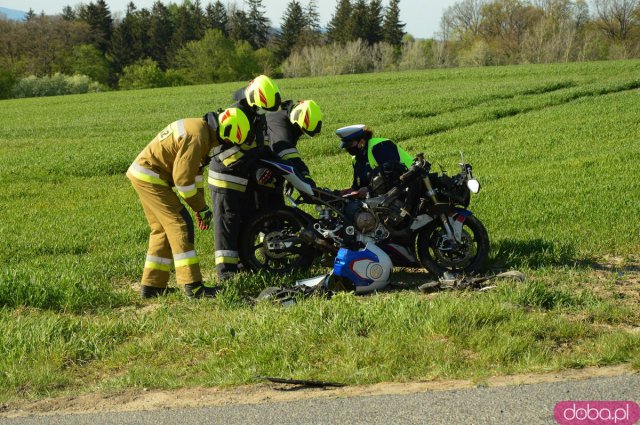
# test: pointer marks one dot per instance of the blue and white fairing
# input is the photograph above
(289, 173)
(368, 268)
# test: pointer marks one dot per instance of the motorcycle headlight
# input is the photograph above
(473, 185)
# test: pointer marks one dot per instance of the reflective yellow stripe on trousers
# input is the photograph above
(227, 257)
(186, 259)
(158, 263)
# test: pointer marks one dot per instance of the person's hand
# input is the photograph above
(204, 218)
(360, 193)
(264, 176)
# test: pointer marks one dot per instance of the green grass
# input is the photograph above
(554, 146)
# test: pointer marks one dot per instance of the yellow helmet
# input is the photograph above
(263, 93)
(233, 125)
(308, 116)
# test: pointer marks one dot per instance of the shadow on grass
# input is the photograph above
(533, 253)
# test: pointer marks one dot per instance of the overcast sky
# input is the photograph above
(421, 17)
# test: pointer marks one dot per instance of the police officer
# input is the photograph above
(175, 159)
(231, 173)
(369, 157)
(284, 129)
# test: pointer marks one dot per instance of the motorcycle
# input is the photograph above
(419, 218)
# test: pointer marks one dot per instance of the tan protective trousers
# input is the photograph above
(172, 236)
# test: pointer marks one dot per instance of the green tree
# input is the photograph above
(142, 75)
(86, 59)
(100, 21)
(313, 17)
(216, 17)
(160, 31)
(7, 81)
(239, 26)
(130, 38)
(208, 60)
(339, 28)
(30, 16)
(68, 14)
(259, 24)
(359, 21)
(392, 28)
(374, 20)
(184, 17)
(294, 23)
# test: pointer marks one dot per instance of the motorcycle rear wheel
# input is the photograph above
(271, 243)
(438, 256)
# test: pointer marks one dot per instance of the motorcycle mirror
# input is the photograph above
(473, 185)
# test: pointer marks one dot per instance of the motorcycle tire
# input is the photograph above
(270, 243)
(432, 238)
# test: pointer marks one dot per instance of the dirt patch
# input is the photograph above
(269, 393)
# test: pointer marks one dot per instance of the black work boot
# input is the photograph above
(198, 290)
(153, 292)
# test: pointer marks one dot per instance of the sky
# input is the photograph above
(422, 17)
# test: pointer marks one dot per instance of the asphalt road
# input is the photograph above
(525, 404)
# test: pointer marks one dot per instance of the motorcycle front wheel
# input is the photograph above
(438, 254)
(271, 243)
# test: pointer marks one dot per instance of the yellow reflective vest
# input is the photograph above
(176, 156)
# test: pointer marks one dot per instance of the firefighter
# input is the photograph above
(284, 129)
(175, 158)
(231, 174)
(370, 157)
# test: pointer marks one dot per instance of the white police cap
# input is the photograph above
(351, 132)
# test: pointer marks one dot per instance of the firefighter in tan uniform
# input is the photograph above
(175, 158)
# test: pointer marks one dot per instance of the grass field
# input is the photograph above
(555, 147)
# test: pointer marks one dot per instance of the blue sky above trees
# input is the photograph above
(422, 17)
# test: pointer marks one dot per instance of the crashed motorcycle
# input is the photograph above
(417, 217)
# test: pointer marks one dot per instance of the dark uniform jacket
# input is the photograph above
(282, 138)
(383, 152)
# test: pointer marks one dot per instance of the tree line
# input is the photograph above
(175, 44)
(191, 43)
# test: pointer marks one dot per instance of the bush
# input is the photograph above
(55, 85)
(355, 57)
(144, 74)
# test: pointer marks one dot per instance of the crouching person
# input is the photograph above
(175, 158)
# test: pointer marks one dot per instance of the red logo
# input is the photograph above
(263, 99)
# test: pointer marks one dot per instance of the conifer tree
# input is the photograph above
(393, 29)
(100, 21)
(160, 32)
(359, 23)
(294, 22)
(339, 28)
(374, 22)
(68, 14)
(259, 24)
(30, 16)
(313, 17)
(216, 17)
(239, 25)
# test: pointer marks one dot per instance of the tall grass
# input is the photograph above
(554, 147)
